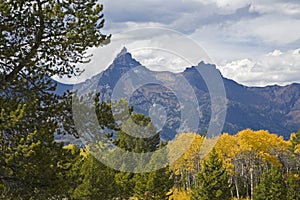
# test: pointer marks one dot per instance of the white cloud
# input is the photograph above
(269, 23)
(230, 31)
(161, 60)
(272, 30)
(276, 67)
(278, 7)
(227, 6)
(158, 49)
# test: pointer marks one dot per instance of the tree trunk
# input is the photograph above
(251, 183)
(236, 188)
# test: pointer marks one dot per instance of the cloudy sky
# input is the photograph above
(254, 42)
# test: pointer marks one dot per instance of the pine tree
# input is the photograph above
(294, 178)
(33, 165)
(212, 180)
(136, 133)
(40, 39)
(125, 184)
(157, 183)
(47, 37)
(97, 181)
(133, 136)
(295, 140)
(293, 187)
(153, 185)
(140, 187)
(295, 151)
(271, 186)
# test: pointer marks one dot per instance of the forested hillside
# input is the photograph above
(250, 164)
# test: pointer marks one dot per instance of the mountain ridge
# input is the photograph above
(275, 108)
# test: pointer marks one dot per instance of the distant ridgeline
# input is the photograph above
(272, 108)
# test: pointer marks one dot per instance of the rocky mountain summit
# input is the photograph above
(178, 101)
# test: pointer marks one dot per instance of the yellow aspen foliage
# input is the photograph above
(227, 148)
(293, 136)
(261, 140)
(297, 149)
(295, 142)
(262, 144)
(189, 144)
(180, 195)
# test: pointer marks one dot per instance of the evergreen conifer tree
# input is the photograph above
(293, 187)
(271, 186)
(97, 181)
(212, 180)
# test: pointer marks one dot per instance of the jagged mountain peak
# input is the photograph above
(124, 60)
(122, 64)
(123, 52)
(275, 108)
(202, 65)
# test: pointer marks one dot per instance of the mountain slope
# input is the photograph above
(274, 108)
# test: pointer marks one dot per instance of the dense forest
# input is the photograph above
(250, 164)
(41, 39)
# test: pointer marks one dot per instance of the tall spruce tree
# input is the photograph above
(157, 183)
(293, 187)
(293, 182)
(97, 181)
(127, 141)
(271, 186)
(136, 133)
(119, 117)
(212, 180)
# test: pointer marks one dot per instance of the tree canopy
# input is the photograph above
(47, 37)
(212, 180)
(40, 39)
